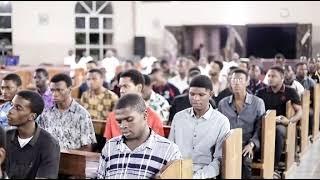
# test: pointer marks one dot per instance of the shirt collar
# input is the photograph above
(149, 143)
(34, 138)
(248, 99)
(282, 89)
(206, 115)
(72, 107)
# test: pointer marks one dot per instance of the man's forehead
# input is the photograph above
(125, 80)
(122, 112)
(7, 82)
(58, 84)
(18, 100)
(198, 90)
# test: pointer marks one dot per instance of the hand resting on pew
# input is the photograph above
(282, 120)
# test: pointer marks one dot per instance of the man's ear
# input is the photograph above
(211, 93)
(32, 116)
(139, 87)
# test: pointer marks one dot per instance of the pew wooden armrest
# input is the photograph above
(179, 169)
(268, 131)
(99, 126)
(232, 155)
(316, 112)
(80, 164)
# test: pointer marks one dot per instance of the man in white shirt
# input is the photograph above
(180, 80)
(146, 63)
(227, 64)
(84, 60)
(70, 60)
(289, 79)
(110, 63)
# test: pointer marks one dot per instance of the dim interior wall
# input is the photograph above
(154, 16)
(49, 41)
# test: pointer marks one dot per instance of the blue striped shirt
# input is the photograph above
(4, 109)
(117, 161)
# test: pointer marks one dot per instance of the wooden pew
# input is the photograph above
(290, 143)
(268, 139)
(166, 130)
(75, 91)
(99, 126)
(179, 169)
(79, 164)
(304, 123)
(232, 155)
(316, 109)
(26, 78)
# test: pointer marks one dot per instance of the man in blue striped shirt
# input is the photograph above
(139, 152)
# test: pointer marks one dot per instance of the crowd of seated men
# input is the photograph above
(201, 100)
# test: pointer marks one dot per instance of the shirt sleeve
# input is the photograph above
(88, 135)
(258, 123)
(50, 158)
(213, 169)
(294, 97)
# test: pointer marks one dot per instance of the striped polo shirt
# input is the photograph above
(117, 161)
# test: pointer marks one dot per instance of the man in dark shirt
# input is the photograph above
(244, 111)
(162, 86)
(255, 83)
(31, 151)
(275, 96)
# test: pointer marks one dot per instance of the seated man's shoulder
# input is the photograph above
(220, 116)
(182, 113)
(47, 137)
(163, 142)
(79, 109)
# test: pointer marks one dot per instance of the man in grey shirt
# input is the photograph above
(199, 131)
(244, 111)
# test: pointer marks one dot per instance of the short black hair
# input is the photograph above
(231, 69)
(155, 70)
(201, 81)
(195, 68)
(147, 80)
(133, 101)
(93, 62)
(13, 77)
(43, 71)
(95, 70)
(62, 77)
(130, 62)
(164, 61)
(278, 68)
(279, 56)
(300, 64)
(240, 71)
(135, 76)
(35, 99)
(220, 64)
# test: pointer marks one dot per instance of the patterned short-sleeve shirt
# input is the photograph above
(100, 105)
(73, 128)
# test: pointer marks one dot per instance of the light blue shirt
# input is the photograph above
(200, 139)
(4, 109)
